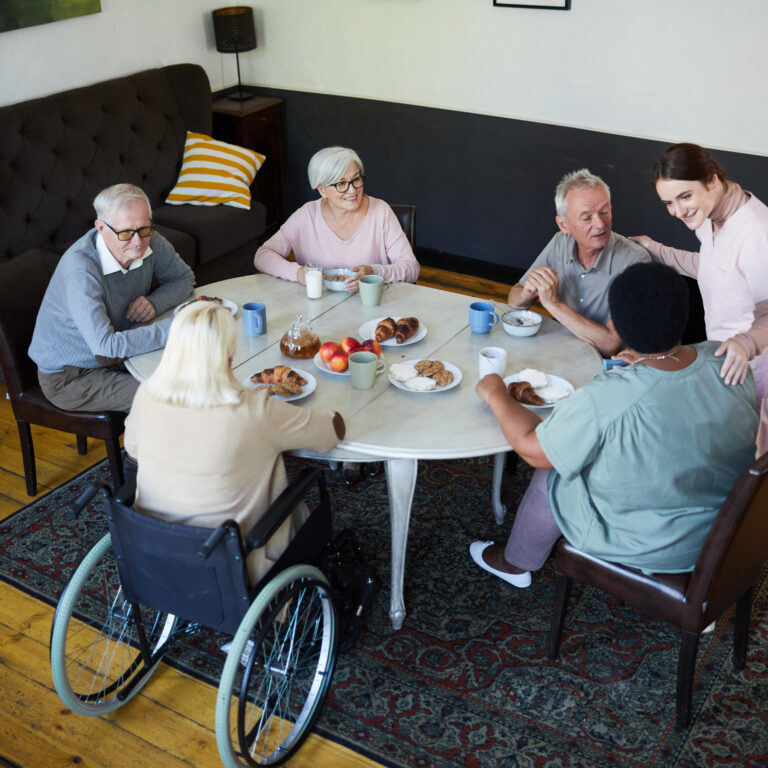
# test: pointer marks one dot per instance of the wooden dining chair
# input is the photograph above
(730, 563)
(23, 281)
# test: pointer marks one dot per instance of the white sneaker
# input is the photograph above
(519, 580)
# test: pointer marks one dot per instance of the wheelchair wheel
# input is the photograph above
(278, 670)
(94, 642)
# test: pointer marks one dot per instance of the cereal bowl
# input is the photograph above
(334, 279)
(521, 322)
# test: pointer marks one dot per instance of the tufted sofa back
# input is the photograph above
(59, 151)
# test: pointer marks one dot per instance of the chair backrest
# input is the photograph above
(736, 546)
(160, 567)
(23, 281)
(406, 215)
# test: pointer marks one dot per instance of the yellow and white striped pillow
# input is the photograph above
(215, 173)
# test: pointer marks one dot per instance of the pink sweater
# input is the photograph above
(732, 272)
(379, 242)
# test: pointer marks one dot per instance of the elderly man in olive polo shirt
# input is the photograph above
(571, 276)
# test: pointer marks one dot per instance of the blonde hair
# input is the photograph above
(195, 370)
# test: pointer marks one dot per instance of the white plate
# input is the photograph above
(230, 305)
(554, 381)
(308, 388)
(323, 366)
(448, 367)
(336, 285)
(368, 331)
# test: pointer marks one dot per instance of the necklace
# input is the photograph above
(671, 355)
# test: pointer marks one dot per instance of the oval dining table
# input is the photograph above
(386, 423)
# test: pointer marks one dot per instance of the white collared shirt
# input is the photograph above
(109, 263)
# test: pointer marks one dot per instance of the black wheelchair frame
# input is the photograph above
(147, 579)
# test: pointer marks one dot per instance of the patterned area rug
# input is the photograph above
(466, 682)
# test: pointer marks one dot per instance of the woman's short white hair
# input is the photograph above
(195, 370)
(327, 166)
(115, 197)
(581, 179)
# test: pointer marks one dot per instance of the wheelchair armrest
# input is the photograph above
(281, 507)
(127, 492)
(82, 500)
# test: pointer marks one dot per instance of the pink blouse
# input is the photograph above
(379, 242)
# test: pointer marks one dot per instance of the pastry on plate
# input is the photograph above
(402, 371)
(524, 393)
(277, 375)
(385, 329)
(405, 328)
(421, 383)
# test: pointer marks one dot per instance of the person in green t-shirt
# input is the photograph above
(634, 465)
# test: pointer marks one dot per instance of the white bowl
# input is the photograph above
(336, 285)
(521, 322)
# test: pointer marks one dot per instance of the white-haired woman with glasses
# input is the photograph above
(209, 449)
(343, 228)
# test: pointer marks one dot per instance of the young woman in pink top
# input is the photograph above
(731, 266)
(344, 228)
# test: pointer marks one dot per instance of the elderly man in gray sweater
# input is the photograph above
(99, 302)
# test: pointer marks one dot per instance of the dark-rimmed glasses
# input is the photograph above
(124, 235)
(343, 186)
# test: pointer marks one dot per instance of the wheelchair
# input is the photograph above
(147, 580)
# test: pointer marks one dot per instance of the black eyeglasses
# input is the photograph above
(343, 186)
(124, 235)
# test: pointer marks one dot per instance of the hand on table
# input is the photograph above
(301, 276)
(350, 284)
(736, 364)
(141, 310)
(489, 386)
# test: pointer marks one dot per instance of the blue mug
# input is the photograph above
(482, 317)
(254, 318)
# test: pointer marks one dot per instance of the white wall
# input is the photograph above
(666, 69)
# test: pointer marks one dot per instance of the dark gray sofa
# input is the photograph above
(59, 151)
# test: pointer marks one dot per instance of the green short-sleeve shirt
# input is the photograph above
(644, 458)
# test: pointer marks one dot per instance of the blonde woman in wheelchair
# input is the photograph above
(212, 495)
(210, 449)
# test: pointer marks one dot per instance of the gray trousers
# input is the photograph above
(90, 389)
(534, 531)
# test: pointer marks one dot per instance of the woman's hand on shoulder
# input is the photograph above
(736, 364)
(643, 240)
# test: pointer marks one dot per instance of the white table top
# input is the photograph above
(386, 421)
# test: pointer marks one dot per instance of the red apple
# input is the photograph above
(371, 345)
(338, 362)
(349, 345)
(328, 350)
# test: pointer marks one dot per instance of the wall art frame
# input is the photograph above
(549, 5)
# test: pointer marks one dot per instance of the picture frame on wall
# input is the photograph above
(551, 5)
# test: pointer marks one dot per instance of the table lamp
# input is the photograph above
(235, 32)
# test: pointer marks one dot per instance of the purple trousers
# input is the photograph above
(534, 531)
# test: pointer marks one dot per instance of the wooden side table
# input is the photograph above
(256, 123)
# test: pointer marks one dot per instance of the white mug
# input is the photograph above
(492, 360)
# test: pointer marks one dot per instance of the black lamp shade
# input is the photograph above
(234, 29)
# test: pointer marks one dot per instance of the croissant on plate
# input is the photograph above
(524, 393)
(385, 329)
(406, 327)
(278, 374)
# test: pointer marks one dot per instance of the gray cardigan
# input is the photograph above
(83, 311)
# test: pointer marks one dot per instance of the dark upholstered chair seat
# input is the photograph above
(730, 563)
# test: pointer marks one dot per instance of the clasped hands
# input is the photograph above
(542, 283)
(141, 310)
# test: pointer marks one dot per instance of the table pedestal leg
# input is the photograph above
(499, 509)
(401, 482)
